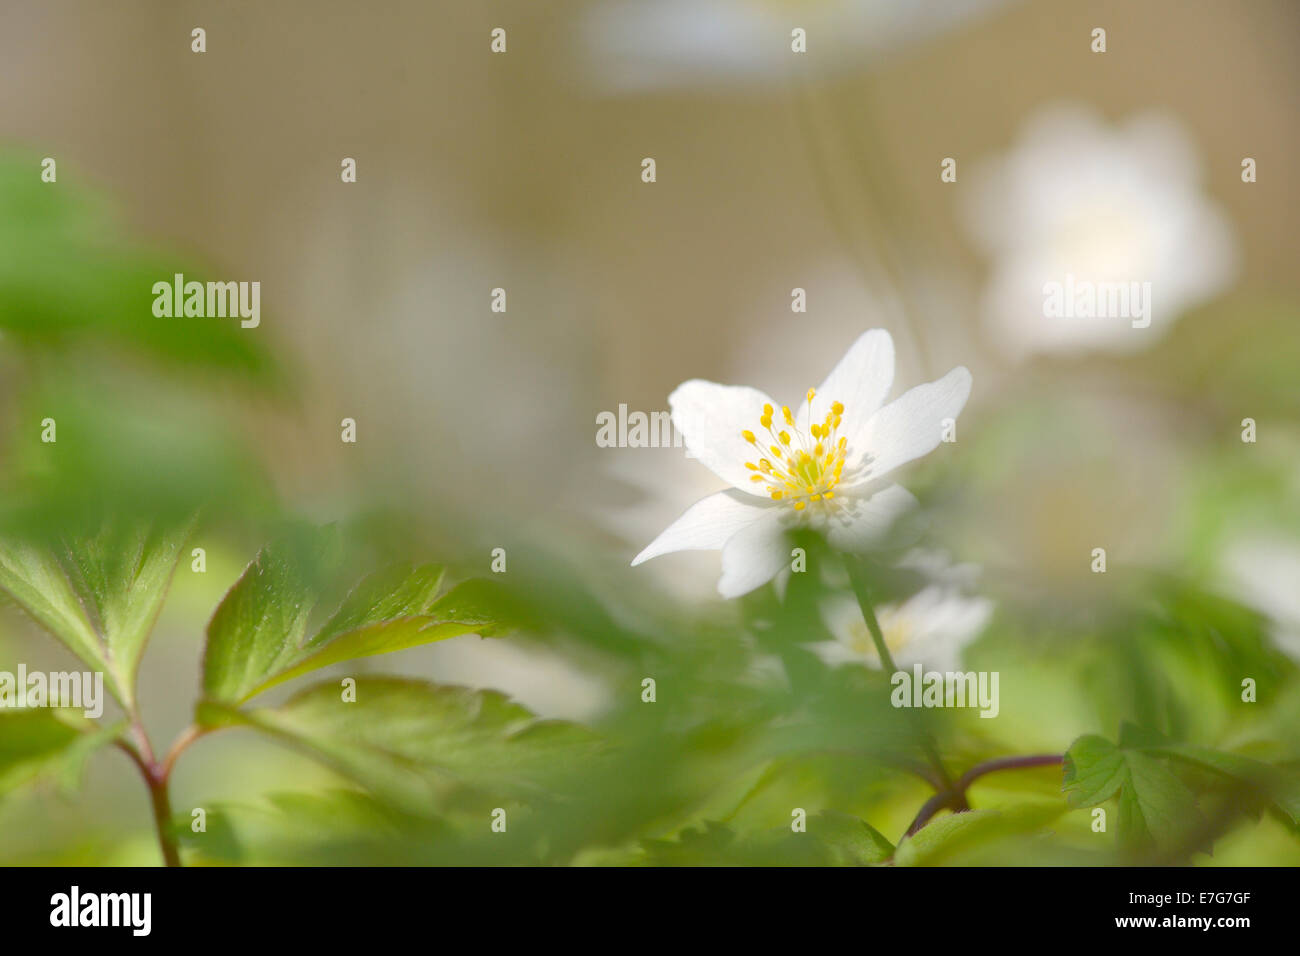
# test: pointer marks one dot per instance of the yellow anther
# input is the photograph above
(804, 470)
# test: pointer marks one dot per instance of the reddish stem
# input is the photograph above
(954, 798)
(157, 776)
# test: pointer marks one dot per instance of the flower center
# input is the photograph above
(802, 467)
(897, 627)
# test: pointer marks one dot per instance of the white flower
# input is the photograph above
(820, 467)
(930, 628)
(1080, 202)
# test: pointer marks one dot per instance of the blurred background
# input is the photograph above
(476, 428)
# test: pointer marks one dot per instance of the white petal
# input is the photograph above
(942, 623)
(861, 523)
(754, 556)
(843, 618)
(834, 653)
(706, 525)
(711, 418)
(912, 425)
(860, 381)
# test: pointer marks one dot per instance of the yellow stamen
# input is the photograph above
(806, 465)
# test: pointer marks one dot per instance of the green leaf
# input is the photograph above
(329, 828)
(259, 626)
(122, 577)
(1280, 786)
(405, 739)
(850, 839)
(34, 579)
(46, 743)
(1155, 808)
(100, 595)
(946, 836)
(257, 638)
(482, 605)
(708, 844)
(70, 277)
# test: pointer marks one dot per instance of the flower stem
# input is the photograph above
(954, 797)
(162, 815)
(862, 592)
(157, 777)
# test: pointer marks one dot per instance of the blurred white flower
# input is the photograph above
(820, 467)
(1264, 573)
(637, 45)
(1079, 200)
(930, 628)
(645, 472)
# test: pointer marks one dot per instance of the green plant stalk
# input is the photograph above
(157, 778)
(162, 814)
(863, 593)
